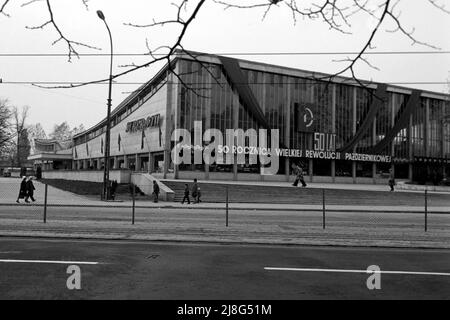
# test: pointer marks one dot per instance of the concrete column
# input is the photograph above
(410, 148)
(85, 164)
(264, 79)
(311, 170)
(333, 129)
(392, 107)
(208, 112)
(333, 171)
(354, 131)
(99, 164)
(169, 125)
(116, 163)
(374, 172)
(374, 141)
(125, 161)
(426, 134)
(235, 126)
(150, 162)
(287, 125)
(138, 163)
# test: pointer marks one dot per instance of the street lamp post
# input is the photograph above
(106, 186)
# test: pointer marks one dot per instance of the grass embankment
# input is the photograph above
(86, 188)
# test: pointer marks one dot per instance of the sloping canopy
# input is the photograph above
(239, 82)
(380, 97)
(402, 122)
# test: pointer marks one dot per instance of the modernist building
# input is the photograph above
(345, 131)
(51, 154)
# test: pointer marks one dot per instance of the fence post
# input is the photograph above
(134, 203)
(226, 192)
(45, 203)
(426, 210)
(323, 208)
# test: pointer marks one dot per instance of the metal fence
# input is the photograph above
(324, 213)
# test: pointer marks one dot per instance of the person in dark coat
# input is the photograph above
(30, 190)
(300, 176)
(23, 189)
(112, 191)
(155, 191)
(195, 191)
(298, 171)
(186, 194)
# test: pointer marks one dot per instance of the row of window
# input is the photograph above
(279, 94)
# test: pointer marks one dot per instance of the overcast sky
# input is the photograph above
(214, 31)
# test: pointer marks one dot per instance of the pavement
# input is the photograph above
(403, 230)
(57, 197)
(311, 185)
(38, 269)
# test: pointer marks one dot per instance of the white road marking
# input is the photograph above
(358, 271)
(9, 252)
(49, 262)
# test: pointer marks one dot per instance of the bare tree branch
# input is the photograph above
(2, 8)
(71, 45)
(439, 6)
(336, 14)
(171, 50)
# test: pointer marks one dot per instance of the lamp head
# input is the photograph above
(100, 15)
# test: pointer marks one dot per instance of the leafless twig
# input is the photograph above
(71, 45)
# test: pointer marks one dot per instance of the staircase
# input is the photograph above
(216, 193)
(241, 193)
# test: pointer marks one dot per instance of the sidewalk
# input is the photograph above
(60, 198)
(404, 230)
(87, 203)
(313, 185)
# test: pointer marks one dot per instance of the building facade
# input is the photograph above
(338, 130)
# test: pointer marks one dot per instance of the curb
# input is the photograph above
(316, 243)
(230, 208)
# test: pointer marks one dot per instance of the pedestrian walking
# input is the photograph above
(113, 189)
(298, 171)
(30, 190)
(391, 179)
(195, 191)
(300, 176)
(155, 191)
(186, 194)
(22, 190)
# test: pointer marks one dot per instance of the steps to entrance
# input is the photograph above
(244, 193)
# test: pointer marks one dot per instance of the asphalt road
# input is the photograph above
(145, 270)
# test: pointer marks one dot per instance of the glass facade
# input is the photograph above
(338, 109)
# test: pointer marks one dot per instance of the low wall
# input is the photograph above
(144, 181)
(418, 187)
(121, 176)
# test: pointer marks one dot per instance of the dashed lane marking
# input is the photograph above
(358, 271)
(49, 262)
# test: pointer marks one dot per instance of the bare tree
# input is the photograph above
(5, 125)
(22, 145)
(336, 14)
